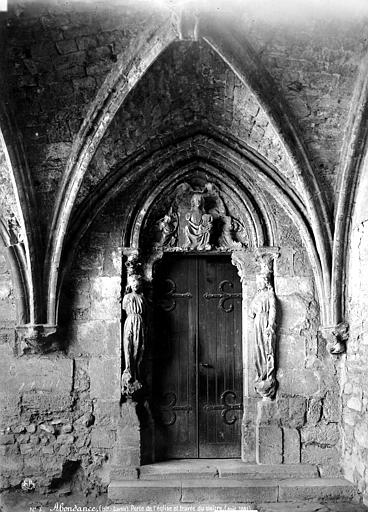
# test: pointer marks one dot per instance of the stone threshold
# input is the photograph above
(224, 468)
(229, 490)
(226, 481)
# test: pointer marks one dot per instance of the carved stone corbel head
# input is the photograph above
(336, 337)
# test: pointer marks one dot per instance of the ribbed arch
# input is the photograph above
(187, 155)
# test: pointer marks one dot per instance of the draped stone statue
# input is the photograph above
(198, 226)
(168, 226)
(134, 334)
(263, 310)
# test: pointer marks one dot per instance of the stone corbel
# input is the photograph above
(36, 339)
(336, 337)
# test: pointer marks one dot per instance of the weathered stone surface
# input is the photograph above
(291, 446)
(326, 434)
(228, 491)
(145, 492)
(269, 445)
(316, 489)
(302, 382)
(45, 374)
(105, 374)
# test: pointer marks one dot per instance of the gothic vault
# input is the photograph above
(179, 181)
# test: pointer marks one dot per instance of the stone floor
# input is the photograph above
(20, 502)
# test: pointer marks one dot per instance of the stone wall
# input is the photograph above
(59, 410)
(354, 382)
(303, 424)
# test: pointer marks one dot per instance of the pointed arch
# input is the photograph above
(234, 49)
(201, 150)
(353, 161)
(26, 261)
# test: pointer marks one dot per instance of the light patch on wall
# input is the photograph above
(3, 5)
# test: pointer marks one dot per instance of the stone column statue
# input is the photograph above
(198, 226)
(263, 310)
(134, 305)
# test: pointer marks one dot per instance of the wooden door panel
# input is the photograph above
(174, 373)
(197, 370)
(219, 335)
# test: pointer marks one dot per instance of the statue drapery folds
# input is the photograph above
(263, 311)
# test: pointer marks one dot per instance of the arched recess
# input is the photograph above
(21, 232)
(236, 51)
(17, 262)
(209, 152)
(352, 165)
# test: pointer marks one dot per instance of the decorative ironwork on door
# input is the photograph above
(224, 296)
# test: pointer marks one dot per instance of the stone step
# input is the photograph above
(224, 468)
(226, 490)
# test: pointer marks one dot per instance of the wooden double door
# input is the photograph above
(197, 363)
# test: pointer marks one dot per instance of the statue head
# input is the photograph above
(134, 283)
(196, 201)
(262, 281)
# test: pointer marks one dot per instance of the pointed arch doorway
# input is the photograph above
(197, 362)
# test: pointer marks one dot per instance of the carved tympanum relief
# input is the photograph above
(196, 217)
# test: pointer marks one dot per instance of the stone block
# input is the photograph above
(297, 411)
(107, 412)
(269, 445)
(127, 457)
(331, 406)
(105, 298)
(96, 337)
(291, 285)
(291, 446)
(41, 374)
(303, 382)
(361, 434)
(327, 459)
(267, 413)
(314, 411)
(228, 491)
(7, 439)
(105, 378)
(294, 311)
(316, 489)
(168, 491)
(102, 438)
(291, 350)
(326, 434)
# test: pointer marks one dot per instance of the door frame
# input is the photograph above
(256, 256)
(199, 258)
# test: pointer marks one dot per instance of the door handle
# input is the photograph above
(205, 365)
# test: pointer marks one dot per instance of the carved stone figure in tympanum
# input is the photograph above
(263, 310)
(198, 226)
(134, 305)
(168, 226)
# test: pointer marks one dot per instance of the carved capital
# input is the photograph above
(241, 260)
(336, 337)
(265, 257)
(37, 338)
